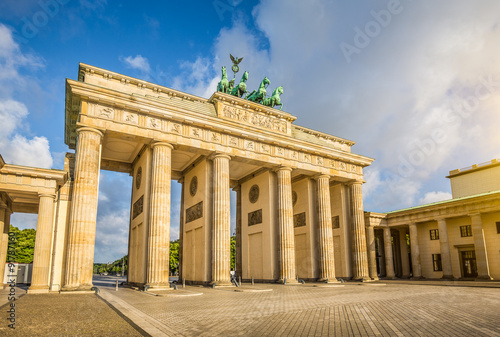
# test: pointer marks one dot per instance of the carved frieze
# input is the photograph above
(255, 217)
(299, 220)
(138, 207)
(129, 117)
(154, 123)
(336, 222)
(256, 119)
(194, 212)
(105, 111)
(175, 128)
(233, 141)
(196, 132)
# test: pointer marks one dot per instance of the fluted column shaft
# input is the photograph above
(4, 227)
(415, 251)
(238, 262)
(359, 255)
(43, 241)
(372, 254)
(158, 261)
(285, 224)
(445, 249)
(82, 224)
(181, 231)
(483, 270)
(326, 251)
(405, 261)
(389, 258)
(381, 253)
(221, 244)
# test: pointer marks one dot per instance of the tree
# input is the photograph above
(174, 256)
(24, 244)
(233, 252)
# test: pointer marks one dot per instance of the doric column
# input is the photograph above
(389, 259)
(359, 256)
(82, 223)
(372, 254)
(326, 251)
(285, 224)
(238, 257)
(405, 261)
(4, 227)
(181, 230)
(158, 262)
(415, 252)
(483, 270)
(445, 249)
(221, 244)
(43, 241)
(380, 251)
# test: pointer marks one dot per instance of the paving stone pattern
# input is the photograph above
(353, 310)
(65, 315)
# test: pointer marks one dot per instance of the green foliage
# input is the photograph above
(24, 244)
(174, 256)
(112, 268)
(233, 252)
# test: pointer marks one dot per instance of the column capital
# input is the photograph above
(181, 180)
(283, 168)
(89, 129)
(47, 195)
(322, 176)
(475, 214)
(440, 219)
(355, 182)
(155, 144)
(237, 188)
(219, 155)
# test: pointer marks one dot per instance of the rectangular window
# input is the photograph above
(434, 234)
(436, 262)
(466, 230)
(498, 227)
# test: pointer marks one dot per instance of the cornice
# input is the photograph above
(158, 108)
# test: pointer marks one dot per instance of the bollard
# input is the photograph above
(184, 282)
(239, 277)
(252, 280)
(284, 280)
(116, 289)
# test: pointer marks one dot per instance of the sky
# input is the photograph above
(416, 84)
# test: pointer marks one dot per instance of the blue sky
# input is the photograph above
(414, 83)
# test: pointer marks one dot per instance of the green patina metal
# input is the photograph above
(241, 88)
(258, 96)
(274, 100)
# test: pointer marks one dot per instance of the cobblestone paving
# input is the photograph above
(352, 310)
(64, 315)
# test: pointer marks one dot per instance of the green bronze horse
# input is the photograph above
(259, 94)
(274, 100)
(241, 88)
(223, 85)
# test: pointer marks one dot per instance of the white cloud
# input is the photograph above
(431, 197)
(137, 62)
(16, 144)
(415, 98)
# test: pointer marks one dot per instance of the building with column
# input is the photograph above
(299, 212)
(452, 239)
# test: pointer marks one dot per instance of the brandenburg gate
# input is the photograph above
(299, 211)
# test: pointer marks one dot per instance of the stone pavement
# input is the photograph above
(392, 308)
(355, 309)
(63, 315)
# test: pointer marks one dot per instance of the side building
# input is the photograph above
(452, 239)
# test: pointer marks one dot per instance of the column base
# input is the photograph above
(417, 278)
(157, 286)
(328, 280)
(38, 290)
(80, 288)
(288, 281)
(390, 278)
(220, 284)
(484, 278)
(447, 277)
